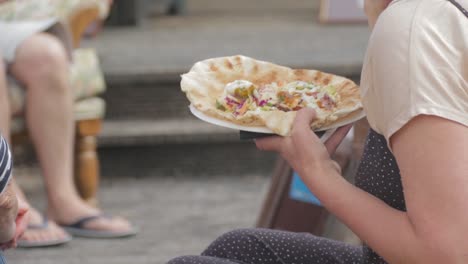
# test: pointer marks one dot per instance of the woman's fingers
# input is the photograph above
(301, 133)
(271, 143)
(303, 119)
(335, 140)
(301, 123)
(300, 126)
(22, 218)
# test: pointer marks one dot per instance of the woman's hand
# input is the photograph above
(303, 149)
(8, 213)
(22, 219)
(21, 223)
(20, 209)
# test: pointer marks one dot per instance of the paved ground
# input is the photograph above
(177, 216)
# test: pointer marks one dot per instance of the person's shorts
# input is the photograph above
(15, 32)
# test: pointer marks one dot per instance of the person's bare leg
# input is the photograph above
(53, 232)
(5, 119)
(5, 116)
(41, 64)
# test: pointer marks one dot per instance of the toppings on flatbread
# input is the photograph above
(240, 89)
(237, 97)
(242, 96)
(254, 93)
(266, 96)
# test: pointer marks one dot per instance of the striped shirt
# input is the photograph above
(6, 164)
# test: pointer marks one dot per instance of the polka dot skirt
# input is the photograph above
(378, 174)
(265, 246)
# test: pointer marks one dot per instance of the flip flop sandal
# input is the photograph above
(2, 259)
(22, 243)
(78, 229)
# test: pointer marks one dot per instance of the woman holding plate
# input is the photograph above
(412, 183)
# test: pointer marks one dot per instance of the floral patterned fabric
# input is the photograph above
(14, 10)
(91, 108)
(86, 79)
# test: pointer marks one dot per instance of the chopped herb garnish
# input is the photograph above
(220, 106)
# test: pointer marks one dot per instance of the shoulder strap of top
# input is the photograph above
(463, 10)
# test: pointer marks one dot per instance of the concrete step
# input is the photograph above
(177, 160)
(177, 147)
(148, 122)
(149, 126)
(143, 75)
(160, 132)
(133, 99)
(150, 98)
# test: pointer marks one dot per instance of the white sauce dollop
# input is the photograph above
(300, 87)
(238, 84)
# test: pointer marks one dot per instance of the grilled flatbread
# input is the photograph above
(254, 93)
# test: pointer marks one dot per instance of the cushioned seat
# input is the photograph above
(86, 109)
(87, 82)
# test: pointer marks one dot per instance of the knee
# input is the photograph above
(229, 242)
(182, 260)
(236, 234)
(41, 56)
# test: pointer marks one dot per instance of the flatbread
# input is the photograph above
(206, 81)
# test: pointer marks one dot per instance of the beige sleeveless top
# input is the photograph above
(416, 63)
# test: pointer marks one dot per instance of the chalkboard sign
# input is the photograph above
(342, 11)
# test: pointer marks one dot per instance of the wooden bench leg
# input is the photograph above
(80, 20)
(271, 204)
(86, 160)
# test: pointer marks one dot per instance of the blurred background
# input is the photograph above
(182, 181)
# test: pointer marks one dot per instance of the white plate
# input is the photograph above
(227, 124)
(355, 117)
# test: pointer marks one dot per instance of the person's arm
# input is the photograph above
(432, 154)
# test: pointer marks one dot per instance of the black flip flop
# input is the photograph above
(78, 229)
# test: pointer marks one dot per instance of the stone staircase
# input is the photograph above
(148, 124)
(149, 131)
(152, 129)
